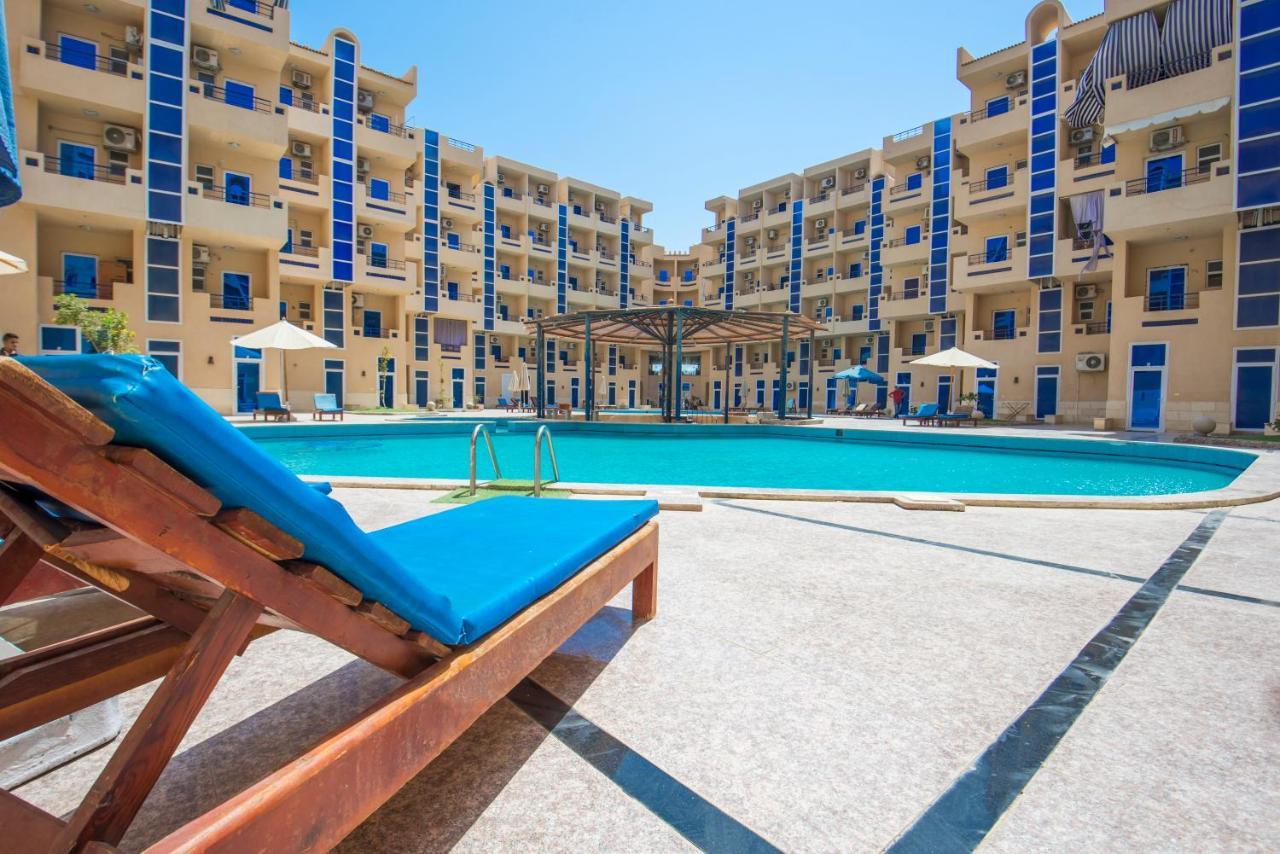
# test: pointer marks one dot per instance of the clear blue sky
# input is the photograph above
(675, 102)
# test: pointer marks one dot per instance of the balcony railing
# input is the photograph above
(994, 256)
(603, 217)
(1170, 302)
(231, 302)
(852, 232)
(856, 188)
(236, 196)
(1096, 327)
(902, 241)
(233, 99)
(254, 7)
(1001, 334)
(82, 59)
(1158, 182)
(775, 247)
(378, 332)
(513, 195)
(391, 128)
(391, 196)
(85, 171)
(462, 247)
(383, 263)
(460, 144)
(84, 290)
(606, 255)
(298, 249)
(541, 200)
(1169, 68)
(311, 105)
(989, 184)
(908, 134)
(984, 112)
(821, 197)
(458, 195)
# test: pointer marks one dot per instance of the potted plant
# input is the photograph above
(1272, 428)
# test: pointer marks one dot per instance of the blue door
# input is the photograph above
(944, 394)
(378, 254)
(1167, 289)
(78, 52)
(451, 289)
(715, 395)
(987, 392)
(239, 94)
(235, 291)
(239, 188)
(832, 391)
(76, 160)
(420, 387)
(1255, 391)
(248, 377)
(80, 274)
(573, 392)
(333, 373)
(459, 377)
(387, 383)
(372, 323)
(1046, 391)
(1002, 324)
(631, 394)
(904, 385)
(550, 393)
(1164, 173)
(777, 396)
(997, 248)
(1146, 386)
(918, 343)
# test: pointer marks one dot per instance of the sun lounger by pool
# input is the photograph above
(116, 474)
(962, 415)
(873, 410)
(326, 406)
(270, 407)
(926, 414)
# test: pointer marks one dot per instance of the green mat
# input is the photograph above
(494, 489)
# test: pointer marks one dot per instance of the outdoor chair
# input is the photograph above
(116, 474)
(326, 405)
(962, 415)
(271, 408)
(925, 414)
(873, 410)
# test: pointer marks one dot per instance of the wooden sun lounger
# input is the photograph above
(210, 581)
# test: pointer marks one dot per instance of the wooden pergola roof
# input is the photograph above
(657, 325)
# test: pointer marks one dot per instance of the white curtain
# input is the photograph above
(1087, 208)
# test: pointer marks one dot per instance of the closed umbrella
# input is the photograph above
(954, 358)
(282, 336)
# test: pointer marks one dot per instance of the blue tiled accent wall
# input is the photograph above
(797, 249)
(1049, 321)
(167, 38)
(490, 255)
(562, 259)
(1042, 207)
(947, 333)
(343, 159)
(1258, 278)
(877, 272)
(334, 316)
(940, 217)
(421, 338)
(730, 258)
(613, 360)
(1257, 113)
(478, 348)
(624, 265)
(431, 221)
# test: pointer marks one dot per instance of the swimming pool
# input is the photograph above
(770, 457)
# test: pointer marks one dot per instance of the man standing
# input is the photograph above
(10, 345)
(896, 396)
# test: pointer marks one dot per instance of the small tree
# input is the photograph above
(108, 331)
(384, 365)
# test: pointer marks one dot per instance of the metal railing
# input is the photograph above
(1097, 327)
(81, 59)
(383, 263)
(311, 105)
(462, 247)
(1170, 302)
(902, 241)
(1168, 69)
(541, 200)
(1002, 334)
(84, 290)
(986, 184)
(458, 195)
(751, 217)
(908, 134)
(391, 196)
(1156, 183)
(298, 249)
(243, 101)
(233, 302)
(537, 460)
(853, 232)
(84, 171)
(856, 188)
(261, 8)
(603, 217)
(218, 193)
(995, 257)
(821, 197)
(458, 143)
(391, 128)
(482, 430)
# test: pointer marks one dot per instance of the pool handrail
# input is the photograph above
(493, 457)
(537, 460)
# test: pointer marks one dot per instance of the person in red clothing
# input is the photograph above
(896, 396)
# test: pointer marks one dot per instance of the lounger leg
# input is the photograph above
(644, 594)
(18, 556)
(113, 801)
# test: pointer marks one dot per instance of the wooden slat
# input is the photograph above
(20, 386)
(644, 595)
(325, 581)
(32, 521)
(54, 650)
(384, 617)
(165, 478)
(316, 800)
(428, 643)
(136, 589)
(35, 828)
(18, 556)
(257, 533)
(117, 795)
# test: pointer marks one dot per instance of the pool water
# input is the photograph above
(747, 458)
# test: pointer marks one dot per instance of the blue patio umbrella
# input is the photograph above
(10, 189)
(859, 374)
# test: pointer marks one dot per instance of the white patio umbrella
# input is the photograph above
(519, 379)
(282, 336)
(11, 264)
(954, 358)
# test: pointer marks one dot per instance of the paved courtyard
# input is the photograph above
(827, 677)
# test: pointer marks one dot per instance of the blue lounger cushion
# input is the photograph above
(148, 407)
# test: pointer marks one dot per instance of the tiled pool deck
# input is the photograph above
(831, 676)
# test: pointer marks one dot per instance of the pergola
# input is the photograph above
(672, 328)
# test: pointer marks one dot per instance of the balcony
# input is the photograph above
(1191, 80)
(978, 200)
(990, 271)
(898, 251)
(910, 305)
(257, 126)
(1002, 335)
(511, 201)
(90, 192)
(391, 208)
(305, 264)
(457, 200)
(263, 24)
(909, 144)
(823, 202)
(1192, 202)
(1073, 253)
(216, 214)
(72, 81)
(913, 193)
(854, 194)
(397, 143)
(641, 235)
(307, 189)
(821, 245)
(309, 118)
(454, 150)
(851, 238)
(93, 292)
(980, 130)
(459, 254)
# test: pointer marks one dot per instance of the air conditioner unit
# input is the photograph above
(493, 339)
(1091, 362)
(828, 182)
(772, 234)
(922, 162)
(1086, 291)
(299, 148)
(749, 277)
(822, 302)
(364, 100)
(1163, 140)
(600, 206)
(820, 223)
(1015, 80)
(888, 222)
(928, 326)
(119, 138)
(133, 39)
(543, 189)
(446, 222)
(544, 227)
(860, 173)
(751, 241)
(204, 58)
(757, 204)
(357, 300)
(1080, 136)
(365, 231)
(301, 79)
(502, 179)
(791, 385)
(363, 165)
(199, 254)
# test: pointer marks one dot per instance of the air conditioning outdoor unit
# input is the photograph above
(1015, 80)
(544, 227)
(928, 326)
(1080, 136)
(301, 79)
(300, 148)
(446, 222)
(363, 165)
(357, 300)
(502, 179)
(828, 182)
(922, 162)
(1086, 291)
(199, 254)
(757, 204)
(820, 223)
(543, 189)
(1091, 362)
(204, 58)
(1163, 140)
(600, 206)
(365, 231)
(860, 173)
(772, 234)
(822, 302)
(751, 241)
(133, 39)
(120, 138)
(791, 385)
(364, 101)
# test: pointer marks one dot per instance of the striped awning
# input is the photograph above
(10, 188)
(1131, 45)
(1192, 29)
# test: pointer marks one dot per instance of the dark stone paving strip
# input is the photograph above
(698, 820)
(962, 817)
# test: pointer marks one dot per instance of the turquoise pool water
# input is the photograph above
(764, 457)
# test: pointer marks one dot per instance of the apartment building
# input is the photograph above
(1101, 221)
(187, 163)
(1113, 250)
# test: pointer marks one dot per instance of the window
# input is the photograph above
(860, 226)
(205, 175)
(379, 189)
(377, 254)
(76, 51)
(915, 181)
(76, 160)
(198, 277)
(59, 340)
(117, 163)
(997, 177)
(238, 189)
(1166, 289)
(910, 288)
(1003, 324)
(997, 249)
(167, 353)
(377, 121)
(80, 275)
(304, 310)
(305, 237)
(1207, 155)
(237, 94)
(1213, 275)
(998, 106)
(912, 235)
(237, 291)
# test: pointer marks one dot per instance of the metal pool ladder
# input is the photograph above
(537, 460)
(481, 429)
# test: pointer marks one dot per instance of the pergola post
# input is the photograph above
(724, 393)
(782, 376)
(812, 390)
(678, 402)
(590, 368)
(542, 373)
